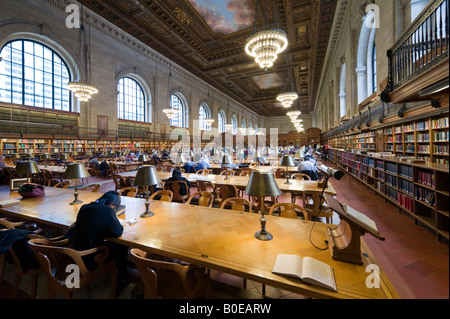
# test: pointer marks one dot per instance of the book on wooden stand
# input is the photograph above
(345, 240)
(307, 269)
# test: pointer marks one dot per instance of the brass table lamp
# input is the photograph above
(27, 168)
(143, 158)
(76, 171)
(262, 184)
(287, 161)
(146, 176)
(226, 159)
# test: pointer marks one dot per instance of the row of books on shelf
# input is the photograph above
(441, 136)
(406, 186)
(405, 201)
(425, 195)
(440, 149)
(440, 123)
(426, 178)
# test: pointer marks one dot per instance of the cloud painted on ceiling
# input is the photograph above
(226, 16)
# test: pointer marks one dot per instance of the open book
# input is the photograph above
(9, 202)
(308, 269)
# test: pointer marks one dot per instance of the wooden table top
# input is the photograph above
(215, 238)
(296, 186)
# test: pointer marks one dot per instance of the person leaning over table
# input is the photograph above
(96, 222)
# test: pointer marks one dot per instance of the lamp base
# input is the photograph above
(147, 214)
(76, 202)
(263, 235)
(287, 182)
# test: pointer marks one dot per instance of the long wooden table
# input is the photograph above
(215, 238)
(296, 186)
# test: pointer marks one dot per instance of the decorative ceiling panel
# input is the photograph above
(207, 38)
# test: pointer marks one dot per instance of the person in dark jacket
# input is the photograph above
(176, 176)
(96, 222)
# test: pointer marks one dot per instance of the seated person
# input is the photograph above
(205, 162)
(176, 176)
(307, 167)
(189, 167)
(165, 155)
(96, 222)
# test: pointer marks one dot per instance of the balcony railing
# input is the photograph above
(422, 46)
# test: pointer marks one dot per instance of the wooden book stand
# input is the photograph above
(345, 240)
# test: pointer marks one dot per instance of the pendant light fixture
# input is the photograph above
(266, 45)
(83, 87)
(169, 111)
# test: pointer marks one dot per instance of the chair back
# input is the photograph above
(154, 287)
(237, 203)
(204, 171)
(119, 181)
(165, 195)
(288, 210)
(228, 171)
(280, 173)
(128, 191)
(203, 186)
(64, 184)
(224, 191)
(204, 199)
(301, 176)
(175, 187)
(54, 257)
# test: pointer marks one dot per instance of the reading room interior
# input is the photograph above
(224, 149)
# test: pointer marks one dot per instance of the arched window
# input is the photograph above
(234, 122)
(35, 75)
(342, 92)
(366, 59)
(131, 100)
(243, 124)
(180, 118)
(221, 121)
(204, 113)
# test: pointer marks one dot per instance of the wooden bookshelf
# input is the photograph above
(421, 190)
(426, 138)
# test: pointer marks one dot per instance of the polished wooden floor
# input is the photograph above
(416, 263)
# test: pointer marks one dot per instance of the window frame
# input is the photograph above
(24, 78)
(138, 117)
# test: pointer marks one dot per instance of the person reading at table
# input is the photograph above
(177, 176)
(307, 167)
(96, 222)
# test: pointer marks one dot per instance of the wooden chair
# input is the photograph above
(19, 272)
(169, 280)
(49, 178)
(224, 191)
(95, 169)
(164, 195)
(128, 191)
(175, 187)
(204, 171)
(201, 199)
(246, 172)
(64, 184)
(205, 186)
(288, 210)
(228, 171)
(237, 203)
(54, 260)
(119, 182)
(301, 175)
(298, 176)
(267, 203)
(92, 187)
(280, 173)
(314, 208)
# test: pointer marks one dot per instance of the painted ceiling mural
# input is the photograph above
(226, 16)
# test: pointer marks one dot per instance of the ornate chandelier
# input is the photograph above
(170, 112)
(209, 121)
(287, 98)
(265, 46)
(82, 88)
